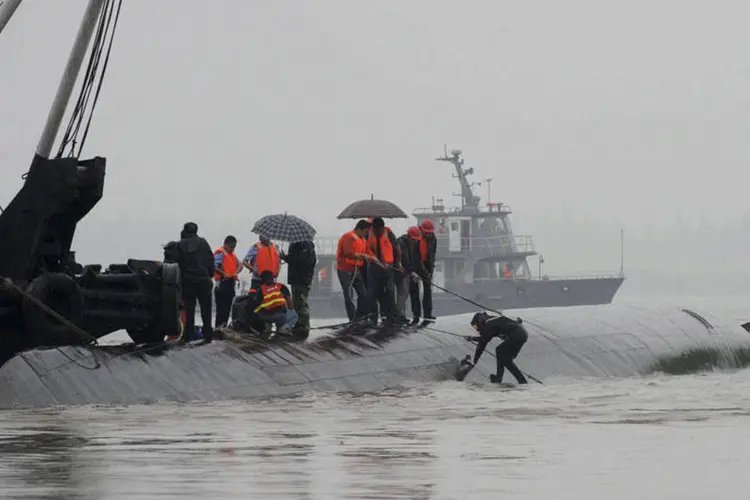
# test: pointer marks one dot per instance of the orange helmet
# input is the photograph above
(427, 226)
(414, 233)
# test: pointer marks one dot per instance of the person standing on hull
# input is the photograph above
(427, 252)
(514, 337)
(350, 260)
(226, 276)
(383, 247)
(410, 263)
(276, 305)
(263, 256)
(301, 261)
(196, 262)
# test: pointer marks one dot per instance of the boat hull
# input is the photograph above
(594, 341)
(503, 294)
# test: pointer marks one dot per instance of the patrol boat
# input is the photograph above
(478, 257)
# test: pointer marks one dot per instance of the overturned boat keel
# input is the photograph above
(591, 341)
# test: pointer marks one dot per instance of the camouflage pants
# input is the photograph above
(301, 305)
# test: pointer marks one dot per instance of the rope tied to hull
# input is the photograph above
(48, 310)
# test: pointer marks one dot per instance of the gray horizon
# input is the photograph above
(589, 118)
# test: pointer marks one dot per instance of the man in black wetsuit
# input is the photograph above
(512, 333)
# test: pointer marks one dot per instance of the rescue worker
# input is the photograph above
(514, 337)
(383, 248)
(427, 252)
(507, 273)
(275, 304)
(411, 264)
(263, 256)
(301, 261)
(196, 263)
(226, 276)
(350, 260)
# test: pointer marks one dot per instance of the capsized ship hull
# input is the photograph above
(593, 341)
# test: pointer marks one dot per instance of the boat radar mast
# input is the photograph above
(469, 202)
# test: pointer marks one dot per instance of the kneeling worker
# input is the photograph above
(276, 305)
(512, 333)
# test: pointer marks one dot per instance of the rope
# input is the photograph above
(470, 339)
(342, 325)
(44, 307)
(459, 296)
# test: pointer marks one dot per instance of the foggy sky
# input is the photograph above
(589, 116)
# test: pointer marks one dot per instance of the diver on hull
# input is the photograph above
(513, 336)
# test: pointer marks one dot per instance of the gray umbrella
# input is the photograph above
(364, 209)
(283, 227)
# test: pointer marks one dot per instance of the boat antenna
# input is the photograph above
(622, 252)
(7, 8)
(467, 195)
(108, 18)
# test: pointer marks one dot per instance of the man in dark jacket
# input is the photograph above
(196, 261)
(411, 263)
(428, 251)
(512, 333)
(301, 261)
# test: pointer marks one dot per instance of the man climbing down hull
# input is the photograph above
(513, 336)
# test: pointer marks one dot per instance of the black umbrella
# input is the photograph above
(364, 209)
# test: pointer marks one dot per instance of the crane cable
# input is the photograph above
(107, 24)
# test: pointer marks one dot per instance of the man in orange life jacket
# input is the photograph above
(350, 259)
(275, 305)
(383, 248)
(427, 251)
(263, 256)
(226, 276)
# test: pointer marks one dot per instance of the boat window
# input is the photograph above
(489, 225)
(746, 326)
(700, 318)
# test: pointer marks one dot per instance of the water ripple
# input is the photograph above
(675, 436)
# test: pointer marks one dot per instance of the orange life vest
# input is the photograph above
(423, 249)
(359, 247)
(386, 247)
(267, 259)
(323, 274)
(230, 264)
(506, 271)
(272, 298)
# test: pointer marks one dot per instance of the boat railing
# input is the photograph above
(555, 278)
(487, 246)
(326, 246)
(457, 211)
